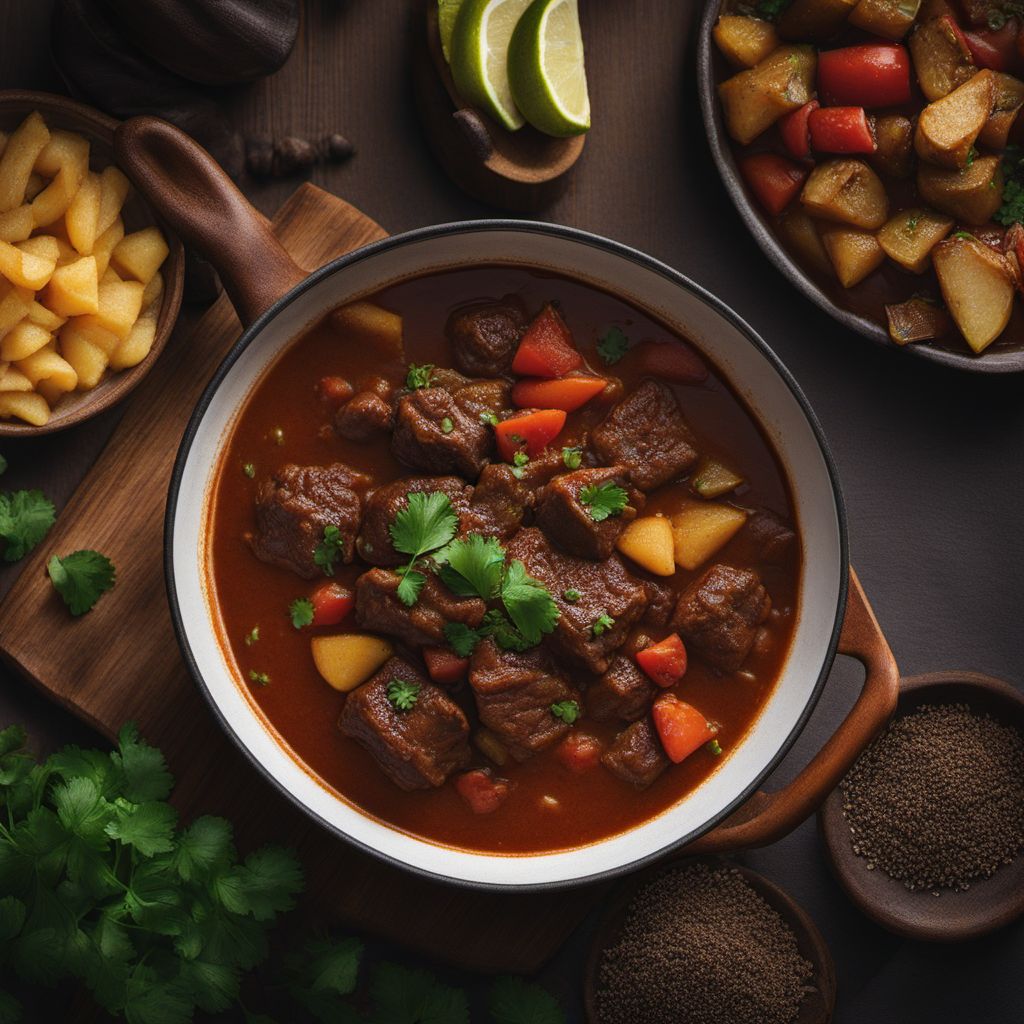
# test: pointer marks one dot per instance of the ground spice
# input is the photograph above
(937, 800)
(701, 946)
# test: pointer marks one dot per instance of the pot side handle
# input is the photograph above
(193, 194)
(767, 817)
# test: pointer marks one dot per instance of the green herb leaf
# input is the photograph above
(496, 625)
(143, 771)
(461, 638)
(149, 827)
(252, 636)
(249, 470)
(602, 624)
(520, 459)
(612, 346)
(447, 426)
(203, 848)
(514, 1001)
(604, 500)
(472, 567)
(329, 550)
(81, 578)
(714, 747)
(405, 996)
(529, 604)
(419, 376)
(490, 418)
(1011, 211)
(771, 9)
(572, 595)
(409, 585)
(259, 678)
(403, 695)
(426, 523)
(301, 612)
(572, 457)
(25, 519)
(567, 710)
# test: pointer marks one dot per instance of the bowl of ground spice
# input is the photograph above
(704, 941)
(926, 830)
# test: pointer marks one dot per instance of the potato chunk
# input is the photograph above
(15, 303)
(894, 135)
(82, 218)
(854, 254)
(366, 323)
(119, 305)
(136, 346)
(17, 224)
(948, 127)
(19, 157)
(114, 188)
(140, 254)
(23, 268)
(21, 341)
(745, 41)
(890, 19)
(1009, 98)
(972, 195)
(648, 541)
(74, 288)
(909, 236)
(27, 406)
(801, 234)
(349, 659)
(702, 528)
(847, 191)
(942, 59)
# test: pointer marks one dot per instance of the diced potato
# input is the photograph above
(942, 59)
(648, 542)
(114, 187)
(916, 320)
(19, 157)
(140, 254)
(701, 529)
(24, 269)
(1009, 98)
(349, 659)
(854, 254)
(65, 151)
(814, 19)
(890, 19)
(12, 379)
(490, 746)
(972, 195)
(14, 305)
(105, 245)
(21, 341)
(26, 405)
(801, 234)
(712, 479)
(35, 184)
(46, 247)
(136, 346)
(109, 275)
(153, 291)
(978, 285)
(86, 328)
(754, 100)
(894, 136)
(909, 236)
(120, 303)
(52, 203)
(948, 127)
(83, 216)
(364, 322)
(745, 41)
(17, 224)
(46, 364)
(847, 191)
(86, 359)
(44, 317)
(73, 289)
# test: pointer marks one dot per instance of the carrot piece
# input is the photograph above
(579, 752)
(682, 729)
(331, 603)
(773, 179)
(670, 360)
(444, 666)
(568, 393)
(532, 432)
(665, 661)
(480, 791)
(335, 390)
(546, 349)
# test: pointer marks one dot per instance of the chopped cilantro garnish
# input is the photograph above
(252, 636)
(601, 624)
(528, 603)
(489, 417)
(912, 223)
(520, 459)
(259, 678)
(25, 519)
(572, 457)
(249, 470)
(301, 612)
(714, 747)
(612, 346)
(1012, 209)
(447, 426)
(329, 550)
(972, 155)
(472, 567)
(771, 9)
(505, 635)
(963, 234)
(403, 695)
(603, 500)
(518, 472)
(419, 376)
(81, 578)
(427, 523)
(461, 638)
(572, 595)
(567, 710)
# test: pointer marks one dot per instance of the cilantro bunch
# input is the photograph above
(1011, 211)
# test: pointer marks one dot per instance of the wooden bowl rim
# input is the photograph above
(117, 385)
(811, 944)
(1010, 360)
(847, 866)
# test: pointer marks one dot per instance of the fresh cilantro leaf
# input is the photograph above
(520, 459)
(25, 519)
(1011, 211)
(446, 425)
(329, 550)
(472, 567)
(259, 678)
(252, 636)
(461, 638)
(528, 603)
(204, 847)
(144, 774)
(572, 595)
(603, 500)
(149, 827)
(771, 9)
(403, 695)
(419, 376)
(572, 458)
(82, 810)
(214, 987)
(602, 624)
(567, 710)
(612, 346)
(249, 470)
(262, 887)
(301, 612)
(713, 747)
(496, 625)
(409, 586)
(329, 966)
(151, 1000)
(514, 1001)
(12, 917)
(490, 418)
(405, 996)
(426, 523)
(81, 578)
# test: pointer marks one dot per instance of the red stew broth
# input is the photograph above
(301, 707)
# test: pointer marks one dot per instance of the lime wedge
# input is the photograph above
(479, 58)
(447, 12)
(545, 68)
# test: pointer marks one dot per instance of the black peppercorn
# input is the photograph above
(336, 147)
(293, 154)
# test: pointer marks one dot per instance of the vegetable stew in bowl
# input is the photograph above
(880, 140)
(503, 562)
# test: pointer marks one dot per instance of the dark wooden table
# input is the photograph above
(932, 462)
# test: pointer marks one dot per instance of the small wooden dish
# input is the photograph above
(954, 916)
(524, 170)
(818, 1004)
(61, 112)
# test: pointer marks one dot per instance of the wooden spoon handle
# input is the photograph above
(194, 195)
(767, 817)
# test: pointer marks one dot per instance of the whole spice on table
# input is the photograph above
(937, 801)
(265, 157)
(700, 946)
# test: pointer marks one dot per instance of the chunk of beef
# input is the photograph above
(635, 755)
(379, 609)
(661, 603)
(433, 432)
(605, 588)
(364, 416)
(384, 503)
(541, 469)
(765, 538)
(485, 336)
(567, 520)
(497, 505)
(482, 397)
(647, 434)
(418, 748)
(295, 505)
(622, 692)
(718, 615)
(514, 693)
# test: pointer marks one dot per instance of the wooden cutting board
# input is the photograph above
(121, 661)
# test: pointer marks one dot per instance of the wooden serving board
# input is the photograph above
(121, 661)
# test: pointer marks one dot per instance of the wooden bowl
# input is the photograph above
(818, 1004)
(61, 112)
(711, 68)
(954, 916)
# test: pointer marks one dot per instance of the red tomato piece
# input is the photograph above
(870, 75)
(994, 48)
(579, 752)
(665, 661)
(483, 793)
(841, 130)
(531, 432)
(546, 349)
(796, 136)
(670, 360)
(335, 390)
(773, 179)
(331, 603)
(445, 666)
(682, 729)
(568, 393)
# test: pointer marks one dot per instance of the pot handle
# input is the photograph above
(192, 193)
(767, 817)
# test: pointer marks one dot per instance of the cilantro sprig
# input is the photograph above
(329, 550)
(419, 376)
(428, 522)
(402, 694)
(1011, 211)
(300, 611)
(612, 345)
(603, 500)
(472, 566)
(81, 578)
(25, 519)
(566, 710)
